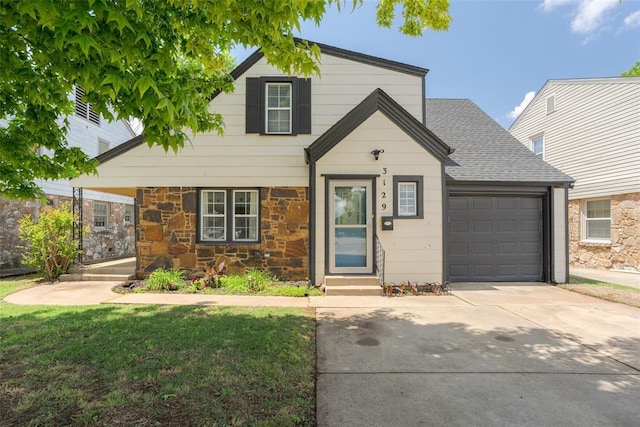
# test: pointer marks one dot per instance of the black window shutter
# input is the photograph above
(252, 105)
(304, 106)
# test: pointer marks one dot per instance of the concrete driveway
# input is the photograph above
(503, 355)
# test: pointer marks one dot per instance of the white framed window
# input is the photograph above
(245, 215)
(537, 145)
(128, 214)
(278, 108)
(229, 215)
(213, 209)
(84, 110)
(407, 200)
(103, 146)
(551, 104)
(597, 220)
(100, 215)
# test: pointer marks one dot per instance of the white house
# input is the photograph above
(317, 177)
(590, 129)
(109, 217)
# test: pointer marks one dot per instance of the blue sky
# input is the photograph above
(496, 52)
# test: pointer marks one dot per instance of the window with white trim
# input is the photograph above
(128, 214)
(83, 108)
(537, 146)
(100, 215)
(279, 107)
(407, 201)
(229, 215)
(103, 146)
(597, 220)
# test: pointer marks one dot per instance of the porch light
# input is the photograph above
(376, 153)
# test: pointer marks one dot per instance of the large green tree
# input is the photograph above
(155, 60)
(634, 71)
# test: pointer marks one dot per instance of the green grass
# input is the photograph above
(155, 365)
(577, 280)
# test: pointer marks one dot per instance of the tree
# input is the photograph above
(158, 61)
(633, 71)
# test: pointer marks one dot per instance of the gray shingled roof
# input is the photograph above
(484, 150)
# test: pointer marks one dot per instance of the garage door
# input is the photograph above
(495, 239)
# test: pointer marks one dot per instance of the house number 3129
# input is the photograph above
(383, 194)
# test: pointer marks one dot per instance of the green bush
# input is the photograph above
(166, 280)
(50, 247)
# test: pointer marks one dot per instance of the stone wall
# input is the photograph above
(117, 240)
(167, 234)
(10, 212)
(623, 252)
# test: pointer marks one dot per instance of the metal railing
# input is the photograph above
(380, 261)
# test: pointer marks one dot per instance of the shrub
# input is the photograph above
(50, 247)
(166, 280)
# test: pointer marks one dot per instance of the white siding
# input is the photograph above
(240, 159)
(559, 239)
(414, 247)
(593, 135)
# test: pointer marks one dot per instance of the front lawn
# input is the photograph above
(607, 291)
(155, 365)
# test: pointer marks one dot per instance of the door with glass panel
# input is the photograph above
(349, 242)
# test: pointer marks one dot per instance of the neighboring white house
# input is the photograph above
(590, 129)
(109, 218)
(315, 176)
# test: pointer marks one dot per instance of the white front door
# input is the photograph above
(350, 209)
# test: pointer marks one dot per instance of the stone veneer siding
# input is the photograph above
(623, 253)
(117, 240)
(167, 234)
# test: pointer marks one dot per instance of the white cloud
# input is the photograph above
(520, 108)
(590, 15)
(549, 5)
(633, 20)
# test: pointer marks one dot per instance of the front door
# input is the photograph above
(350, 208)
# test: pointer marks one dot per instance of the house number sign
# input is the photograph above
(384, 192)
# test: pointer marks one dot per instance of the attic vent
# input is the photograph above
(84, 110)
(551, 104)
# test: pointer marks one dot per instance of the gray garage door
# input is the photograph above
(495, 239)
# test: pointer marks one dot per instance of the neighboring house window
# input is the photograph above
(100, 215)
(278, 105)
(229, 215)
(551, 104)
(128, 214)
(84, 110)
(103, 146)
(597, 216)
(537, 146)
(407, 196)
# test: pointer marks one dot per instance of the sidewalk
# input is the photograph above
(616, 277)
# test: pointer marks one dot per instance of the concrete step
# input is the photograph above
(91, 277)
(353, 290)
(351, 281)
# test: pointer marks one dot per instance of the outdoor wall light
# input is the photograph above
(376, 153)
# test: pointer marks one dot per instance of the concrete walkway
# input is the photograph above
(509, 354)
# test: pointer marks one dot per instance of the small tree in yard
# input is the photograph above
(49, 241)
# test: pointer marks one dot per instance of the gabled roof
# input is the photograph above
(257, 55)
(378, 100)
(484, 151)
(580, 81)
(340, 53)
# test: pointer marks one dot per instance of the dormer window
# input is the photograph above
(278, 105)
